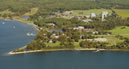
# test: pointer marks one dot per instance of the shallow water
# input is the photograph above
(12, 38)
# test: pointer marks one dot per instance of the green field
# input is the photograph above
(32, 12)
(88, 12)
(123, 13)
(112, 40)
(6, 12)
(122, 30)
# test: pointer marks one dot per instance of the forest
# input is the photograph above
(22, 6)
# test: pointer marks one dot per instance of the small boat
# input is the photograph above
(97, 50)
(3, 23)
(30, 34)
(14, 27)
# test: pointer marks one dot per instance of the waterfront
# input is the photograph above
(13, 38)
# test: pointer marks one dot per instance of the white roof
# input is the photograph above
(93, 15)
(87, 20)
(98, 39)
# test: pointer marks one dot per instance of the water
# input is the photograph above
(12, 38)
(25, 17)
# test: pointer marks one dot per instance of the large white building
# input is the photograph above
(92, 15)
(79, 28)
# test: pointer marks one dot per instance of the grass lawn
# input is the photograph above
(54, 44)
(88, 12)
(6, 12)
(112, 40)
(122, 30)
(122, 12)
(76, 44)
(33, 11)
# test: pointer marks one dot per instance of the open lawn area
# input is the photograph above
(32, 12)
(122, 30)
(122, 12)
(88, 12)
(6, 12)
(76, 44)
(112, 40)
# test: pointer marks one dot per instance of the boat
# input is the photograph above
(97, 50)
(3, 23)
(14, 27)
(30, 34)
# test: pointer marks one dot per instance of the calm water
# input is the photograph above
(12, 38)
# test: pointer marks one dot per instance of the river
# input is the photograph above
(13, 35)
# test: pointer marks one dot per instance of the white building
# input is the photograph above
(78, 28)
(75, 28)
(104, 14)
(101, 39)
(92, 15)
(87, 20)
(54, 36)
(98, 39)
(51, 24)
(51, 41)
(81, 27)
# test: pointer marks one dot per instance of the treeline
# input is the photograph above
(67, 40)
(59, 22)
(61, 5)
(109, 23)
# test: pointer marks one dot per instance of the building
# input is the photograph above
(98, 39)
(101, 39)
(92, 15)
(104, 14)
(83, 16)
(87, 20)
(88, 30)
(87, 16)
(51, 24)
(54, 36)
(51, 41)
(79, 28)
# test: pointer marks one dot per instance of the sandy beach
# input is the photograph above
(47, 50)
(80, 49)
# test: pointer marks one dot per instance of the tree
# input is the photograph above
(84, 44)
(62, 38)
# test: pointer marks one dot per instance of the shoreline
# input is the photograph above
(25, 22)
(35, 26)
(74, 49)
(49, 50)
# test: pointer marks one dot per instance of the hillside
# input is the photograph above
(25, 5)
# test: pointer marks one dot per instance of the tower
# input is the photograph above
(104, 14)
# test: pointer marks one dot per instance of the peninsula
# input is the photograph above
(79, 25)
(100, 31)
